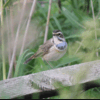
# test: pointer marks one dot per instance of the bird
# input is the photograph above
(53, 49)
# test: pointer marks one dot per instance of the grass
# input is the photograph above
(2, 39)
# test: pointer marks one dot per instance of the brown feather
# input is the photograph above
(43, 49)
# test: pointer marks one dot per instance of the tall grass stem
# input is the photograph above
(2, 39)
(8, 37)
(27, 26)
(94, 23)
(16, 40)
(12, 29)
(47, 24)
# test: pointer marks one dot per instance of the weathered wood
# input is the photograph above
(34, 83)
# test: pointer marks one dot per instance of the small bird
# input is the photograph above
(51, 50)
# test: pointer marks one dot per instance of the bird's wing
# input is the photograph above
(44, 49)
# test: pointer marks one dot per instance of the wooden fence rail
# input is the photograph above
(44, 81)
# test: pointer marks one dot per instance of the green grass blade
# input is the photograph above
(57, 23)
(99, 5)
(67, 60)
(43, 12)
(20, 63)
(7, 3)
(72, 36)
(29, 54)
(71, 18)
(2, 41)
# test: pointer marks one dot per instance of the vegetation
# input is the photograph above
(79, 20)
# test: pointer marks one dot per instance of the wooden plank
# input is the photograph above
(34, 83)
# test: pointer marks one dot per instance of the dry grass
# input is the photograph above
(14, 31)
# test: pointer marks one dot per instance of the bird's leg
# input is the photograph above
(49, 64)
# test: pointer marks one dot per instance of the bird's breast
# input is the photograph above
(54, 54)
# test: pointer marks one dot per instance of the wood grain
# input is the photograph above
(44, 81)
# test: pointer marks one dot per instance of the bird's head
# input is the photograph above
(58, 34)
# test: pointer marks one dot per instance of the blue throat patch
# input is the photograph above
(62, 45)
(59, 38)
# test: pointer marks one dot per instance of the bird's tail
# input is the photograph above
(29, 59)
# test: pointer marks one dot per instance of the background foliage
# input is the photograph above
(79, 21)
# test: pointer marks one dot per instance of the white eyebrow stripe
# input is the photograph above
(59, 32)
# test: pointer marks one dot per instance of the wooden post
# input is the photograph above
(44, 81)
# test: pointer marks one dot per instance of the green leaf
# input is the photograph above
(72, 18)
(43, 12)
(75, 3)
(57, 23)
(67, 60)
(28, 54)
(98, 5)
(72, 36)
(7, 3)
(20, 64)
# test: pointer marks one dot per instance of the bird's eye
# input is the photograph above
(59, 34)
